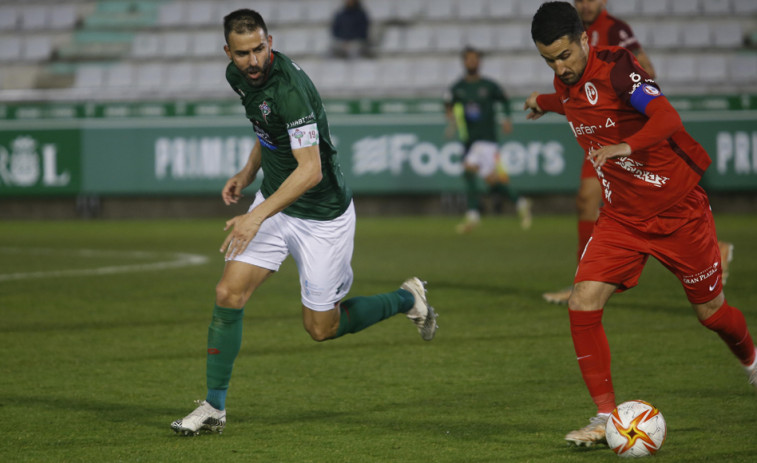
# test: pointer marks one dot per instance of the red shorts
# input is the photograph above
(682, 238)
(587, 170)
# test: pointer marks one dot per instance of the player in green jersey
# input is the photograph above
(472, 105)
(303, 209)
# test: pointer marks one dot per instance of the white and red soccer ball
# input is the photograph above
(635, 429)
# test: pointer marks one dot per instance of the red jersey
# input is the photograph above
(609, 30)
(610, 105)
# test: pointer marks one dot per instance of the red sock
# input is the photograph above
(593, 353)
(585, 229)
(729, 323)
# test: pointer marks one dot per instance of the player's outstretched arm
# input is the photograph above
(531, 104)
(232, 190)
(305, 176)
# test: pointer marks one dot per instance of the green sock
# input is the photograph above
(224, 342)
(360, 312)
(471, 189)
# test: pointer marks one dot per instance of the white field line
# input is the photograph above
(168, 261)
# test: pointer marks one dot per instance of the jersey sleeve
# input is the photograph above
(298, 115)
(627, 76)
(501, 96)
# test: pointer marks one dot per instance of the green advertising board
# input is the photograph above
(385, 146)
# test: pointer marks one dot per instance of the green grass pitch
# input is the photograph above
(96, 364)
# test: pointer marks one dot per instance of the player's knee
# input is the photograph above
(230, 297)
(320, 333)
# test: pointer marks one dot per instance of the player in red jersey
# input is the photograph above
(604, 29)
(649, 168)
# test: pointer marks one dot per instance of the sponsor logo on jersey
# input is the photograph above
(635, 167)
(301, 121)
(265, 110)
(591, 93)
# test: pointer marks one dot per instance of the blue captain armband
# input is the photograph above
(643, 94)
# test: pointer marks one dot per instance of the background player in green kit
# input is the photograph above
(303, 208)
(473, 106)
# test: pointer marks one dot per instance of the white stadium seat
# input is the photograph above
(513, 37)
(666, 37)
(685, 7)
(624, 8)
(203, 14)
(680, 69)
(176, 44)
(119, 75)
(10, 48)
(89, 76)
(419, 38)
(473, 9)
(727, 34)
(744, 7)
(653, 7)
(34, 17)
(743, 67)
(37, 48)
(502, 9)
(146, 45)
(149, 75)
(8, 18)
(696, 35)
(481, 37)
(450, 37)
(713, 7)
(410, 10)
(712, 68)
(207, 44)
(442, 10)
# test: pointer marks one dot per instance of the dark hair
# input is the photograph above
(554, 20)
(470, 49)
(241, 21)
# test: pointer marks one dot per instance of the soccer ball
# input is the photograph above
(635, 429)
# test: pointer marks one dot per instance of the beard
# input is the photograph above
(262, 72)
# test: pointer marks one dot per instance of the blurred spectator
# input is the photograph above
(349, 31)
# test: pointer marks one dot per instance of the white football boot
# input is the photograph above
(421, 314)
(204, 417)
(751, 371)
(593, 433)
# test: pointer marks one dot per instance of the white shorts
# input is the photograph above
(484, 156)
(322, 250)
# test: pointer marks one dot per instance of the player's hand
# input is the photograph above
(507, 126)
(599, 156)
(244, 228)
(232, 191)
(536, 111)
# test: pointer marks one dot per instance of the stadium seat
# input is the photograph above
(521, 71)
(63, 17)
(502, 9)
(743, 67)
(297, 41)
(513, 37)
(10, 48)
(527, 8)
(473, 9)
(320, 41)
(641, 30)
(176, 44)
(320, 11)
(146, 45)
(450, 38)
(419, 38)
(203, 14)
(334, 75)
(481, 37)
(442, 10)
(172, 14)
(119, 76)
(8, 18)
(89, 76)
(712, 68)
(696, 34)
(181, 76)
(149, 75)
(365, 74)
(624, 8)
(716, 7)
(37, 48)
(685, 7)
(657, 8)
(378, 10)
(211, 75)
(34, 17)
(207, 44)
(393, 39)
(666, 37)
(427, 72)
(410, 10)
(744, 7)
(680, 69)
(727, 34)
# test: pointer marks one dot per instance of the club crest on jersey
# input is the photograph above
(591, 93)
(651, 91)
(265, 110)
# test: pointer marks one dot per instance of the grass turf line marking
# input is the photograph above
(175, 260)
